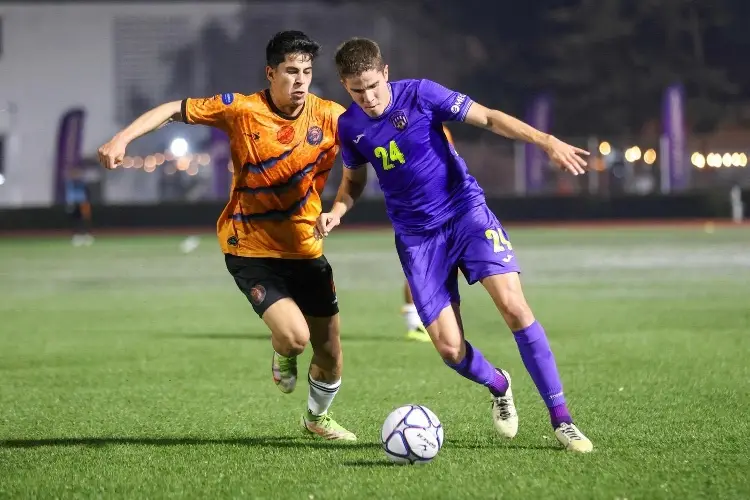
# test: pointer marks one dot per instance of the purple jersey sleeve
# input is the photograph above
(444, 104)
(352, 158)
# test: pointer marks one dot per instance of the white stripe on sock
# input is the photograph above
(321, 395)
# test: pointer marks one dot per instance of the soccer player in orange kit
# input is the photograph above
(283, 142)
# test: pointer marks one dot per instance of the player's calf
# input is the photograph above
(324, 379)
(469, 362)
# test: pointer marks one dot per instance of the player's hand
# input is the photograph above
(112, 153)
(325, 223)
(565, 156)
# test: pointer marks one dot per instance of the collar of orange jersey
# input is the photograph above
(277, 111)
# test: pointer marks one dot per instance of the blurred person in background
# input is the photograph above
(78, 205)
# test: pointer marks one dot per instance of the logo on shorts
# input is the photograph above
(257, 294)
(314, 135)
(399, 120)
(285, 135)
(227, 98)
(233, 241)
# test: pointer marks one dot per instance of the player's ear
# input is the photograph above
(385, 72)
(269, 73)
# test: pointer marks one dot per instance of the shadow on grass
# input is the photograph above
(258, 441)
(266, 336)
(500, 445)
(370, 463)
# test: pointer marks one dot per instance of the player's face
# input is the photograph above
(370, 90)
(290, 80)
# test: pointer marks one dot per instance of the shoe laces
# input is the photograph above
(287, 364)
(502, 403)
(324, 420)
(571, 432)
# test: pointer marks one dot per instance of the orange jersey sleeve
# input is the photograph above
(448, 135)
(215, 111)
(281, 165)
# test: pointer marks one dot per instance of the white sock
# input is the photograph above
(411, 316)
(321, 395)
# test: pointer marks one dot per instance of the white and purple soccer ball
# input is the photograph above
(411, 434)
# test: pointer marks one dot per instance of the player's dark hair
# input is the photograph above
(284, 43)
(357, 55)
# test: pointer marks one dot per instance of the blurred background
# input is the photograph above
(655, 89)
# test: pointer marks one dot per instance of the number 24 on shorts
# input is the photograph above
(499, 241)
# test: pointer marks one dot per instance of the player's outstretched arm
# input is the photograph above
(352, 185)
(112, 153)
(563, 155)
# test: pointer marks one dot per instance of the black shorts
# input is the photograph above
(75, 210)
(309, 282)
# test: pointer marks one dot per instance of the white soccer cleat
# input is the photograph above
(325, 427)
(573, 439)
(504, 413)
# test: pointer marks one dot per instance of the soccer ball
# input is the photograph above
(411, 434)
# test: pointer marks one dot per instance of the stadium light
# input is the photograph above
(714, 160)
(735, 159)
(179, 147)
(727, 160)
(2, 179)
(649, 157)
(605, 148)
(633, 154)
(698, 160)
(743, 160)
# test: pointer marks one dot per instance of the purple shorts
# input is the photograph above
(474, 242)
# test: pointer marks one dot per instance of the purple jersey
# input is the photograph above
(424, 181)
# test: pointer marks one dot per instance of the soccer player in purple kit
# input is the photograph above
(442, 222)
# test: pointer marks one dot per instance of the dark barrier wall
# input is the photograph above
(530, 209)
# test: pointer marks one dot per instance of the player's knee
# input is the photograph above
(451, 351)
(508, 296)
(451, 355)
(516, 311)
(290, 343)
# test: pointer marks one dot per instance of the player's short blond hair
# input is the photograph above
(357, 55)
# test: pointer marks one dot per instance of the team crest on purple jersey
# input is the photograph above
(399, 120)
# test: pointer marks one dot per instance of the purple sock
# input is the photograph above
(476, 368)
(540, 363)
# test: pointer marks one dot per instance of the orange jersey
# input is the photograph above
(280, 167)
(448, 135)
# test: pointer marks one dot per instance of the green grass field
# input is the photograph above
(130, 370)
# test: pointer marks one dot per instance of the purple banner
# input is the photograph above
(673, 123)
(539, 117)
(69, 139)
(220, 156)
